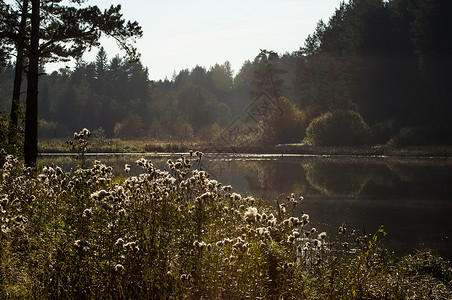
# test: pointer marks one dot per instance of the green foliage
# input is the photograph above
(48, 129)
(98, 137)
(80, 144)
(382, 132)
(380, 58)
(221, 78)
(373, 273)
(199, 107)
(285, 124)
(338, 128)
(4, 126)
(429, 27)
(179, 234)
(210, 132)
(108, 93)
(131, 128)
(183, 130)
(163, 234)
(420, 136)
(11, 137)
(267, 75)
(406, 137)
(5, 46)
(56, 32)
(81, 28)
(367, 56)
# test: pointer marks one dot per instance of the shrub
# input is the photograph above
(178, 234)
(158, 131)
(130, 128)
(4, 125)
(98, 137)
(11, 138)
(407, 136)
(422, 136)
(164, 234)
(338, 128)
(382, 132)
(284, 124)
(47, 129)
(183, 130)
(209, 132)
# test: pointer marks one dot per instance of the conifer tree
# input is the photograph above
(61, 32)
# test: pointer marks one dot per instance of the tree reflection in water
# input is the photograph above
(410, 197)
(337, 179)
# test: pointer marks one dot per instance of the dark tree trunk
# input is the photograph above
(19, 65)
(31, 114)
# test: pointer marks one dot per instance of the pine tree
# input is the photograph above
(60, 32)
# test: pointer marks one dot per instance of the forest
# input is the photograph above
(377, 72)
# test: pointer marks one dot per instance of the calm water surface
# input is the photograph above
(411, 198)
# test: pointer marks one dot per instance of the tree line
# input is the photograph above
(387, 60)
(377, 72)
(41, 31)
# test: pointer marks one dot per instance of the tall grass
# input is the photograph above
(178, 234)
(115, 145)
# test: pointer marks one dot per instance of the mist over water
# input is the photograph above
(411, 198)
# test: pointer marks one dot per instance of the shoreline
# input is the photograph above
(298, 149)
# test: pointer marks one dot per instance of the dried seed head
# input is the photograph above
(251, 214)
(227, 188)
(119, 268)
(119, 242)
(106, 206)
(4, 201)
(236, 196)
(87, 213)
(99, 195)
(80, 244)
(131, 246)
(342, 229)
(250, 200)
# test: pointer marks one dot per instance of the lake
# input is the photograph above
(410, 197)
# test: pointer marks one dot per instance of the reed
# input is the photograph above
(178, 234)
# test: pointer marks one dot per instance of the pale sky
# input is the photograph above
(180, 34)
